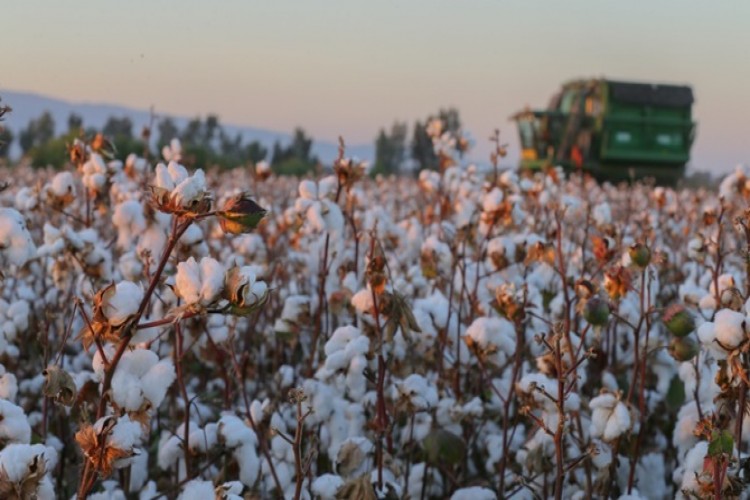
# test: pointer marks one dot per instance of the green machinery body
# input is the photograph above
(614, 130)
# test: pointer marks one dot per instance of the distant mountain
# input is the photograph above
(27, 106)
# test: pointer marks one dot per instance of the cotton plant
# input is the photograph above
(473, 331)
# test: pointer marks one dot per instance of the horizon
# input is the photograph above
(351, 70)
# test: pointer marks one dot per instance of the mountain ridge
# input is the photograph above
(29, 105)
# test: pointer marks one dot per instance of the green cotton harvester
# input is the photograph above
(614, 130)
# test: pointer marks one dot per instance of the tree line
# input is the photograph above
(206, 142)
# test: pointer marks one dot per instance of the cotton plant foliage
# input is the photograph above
(468, 332)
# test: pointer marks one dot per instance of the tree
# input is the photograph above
(167, 131)
(255, 152)
(296, 158)
(118, 128)
(421, 148)
(38, 132)
(390, 149)
(421, 145)
(6, 138)
(75, 123)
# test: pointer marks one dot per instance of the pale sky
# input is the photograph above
(350, 67)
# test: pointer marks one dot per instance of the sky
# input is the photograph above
(350, 67)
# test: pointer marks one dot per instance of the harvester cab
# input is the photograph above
(614, 130)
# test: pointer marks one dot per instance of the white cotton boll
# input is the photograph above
(234, 432)
(190, 190)
(188, 281)
(163, 178)
(327, 186)
(170, 451)
(493, 200)
(8, 386)
(417, 391)
(202, 440)
(618, 423)
(602, 458)
(123, 303)
(62, 184)
(125, 435)
(198, 490)
(130, 222)
(495, 336)
(26, 199)
(16, 246)
(212, 279)
(248, 462)
(609, 418)
(18, 312)
(16, 461)
(127, 387)
(693, 466)
(474, 493)
(362, 301)
(177, 172)
(327, 485)
(602, 214)
(14, 426)
(730, 328)
(138, 471)
(157, 381)
(308, 190)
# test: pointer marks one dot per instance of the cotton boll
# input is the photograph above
(327, 485)
(17, 460)
(14, 427)
(474, 493)
(8, 386)
(730, 328)
(123, 303)
(495, 337)
(157, 380)
(362, 301)
(190, 190)
(212, 279)
(198, 490)
(199, 283)
(163, 178)
(188, 281)
(610, 418)
(130, 222)
(308, 190)
(16, 246)
(248, 462)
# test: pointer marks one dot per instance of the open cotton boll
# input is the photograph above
(16, 246)
(8, 385)
(730, 328)
(130, 222)
(62, 184)
(14, 426)
(417, 391)
(327, 485)
(141, 375)
(474, 493)
(493, 200)
(495, 337)
(20, 461)
(190, 190)
(610, 417)
(308, 190)
(119, 306)
(198, 490)
(163, 178)
(199, 284)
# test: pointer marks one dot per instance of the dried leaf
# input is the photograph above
(59, 385)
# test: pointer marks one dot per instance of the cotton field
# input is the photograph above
(470, 334)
